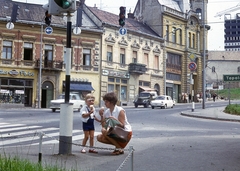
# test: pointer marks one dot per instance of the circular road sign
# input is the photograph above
(192, 66)
(122, 31)
(48, 30)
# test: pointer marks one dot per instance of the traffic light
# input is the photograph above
(48, 18)
(15, 13)
(58, 7)
(122, 16)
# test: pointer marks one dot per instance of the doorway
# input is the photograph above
(47, 94)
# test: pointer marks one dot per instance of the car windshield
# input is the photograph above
(144, 95)
(62, 96)
(160, 98)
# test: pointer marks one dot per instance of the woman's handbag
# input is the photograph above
(118, 133)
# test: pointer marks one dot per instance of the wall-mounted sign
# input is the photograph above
(14, 73)
(115, 73)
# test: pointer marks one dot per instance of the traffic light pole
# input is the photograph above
(66, 111)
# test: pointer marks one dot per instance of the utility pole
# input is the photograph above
(204, 59)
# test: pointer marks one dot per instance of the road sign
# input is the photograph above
(122, 31)
(9, 25)
(77, 30)
(192, 66)
(192, 56)
(48, 30)
(231, 78)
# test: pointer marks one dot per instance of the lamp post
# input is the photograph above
(40, 71)
(204, 60)
(165, 60)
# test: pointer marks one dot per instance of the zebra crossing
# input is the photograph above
(21, 134)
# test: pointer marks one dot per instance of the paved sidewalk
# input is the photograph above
(212, 113)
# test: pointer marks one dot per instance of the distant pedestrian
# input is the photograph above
(190, 98)
(214, 96)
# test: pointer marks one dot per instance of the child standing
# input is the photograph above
(88, 115)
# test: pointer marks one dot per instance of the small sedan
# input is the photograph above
(163, 102)
(78, 103)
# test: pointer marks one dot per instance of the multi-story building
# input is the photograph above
(181, 26)
(132, 62)
(28, 53)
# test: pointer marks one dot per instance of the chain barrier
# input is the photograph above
(41, 134)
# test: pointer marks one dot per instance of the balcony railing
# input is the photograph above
(48, 64)
(136, 68)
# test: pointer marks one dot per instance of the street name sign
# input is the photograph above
(231, 78)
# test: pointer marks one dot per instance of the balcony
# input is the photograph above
(136, 68)
(48, 64)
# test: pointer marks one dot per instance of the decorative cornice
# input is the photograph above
(49, 40)
(135, 45)
(156, 50)
(110, 39)
(123, 42)
(29, 38)
(146, 47)
(8, 36)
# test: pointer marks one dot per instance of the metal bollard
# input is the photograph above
(193, 106)
(131, 150)
(40, 148)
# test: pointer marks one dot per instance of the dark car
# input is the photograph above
(144, 98)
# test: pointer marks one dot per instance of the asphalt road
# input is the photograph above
(163, 139)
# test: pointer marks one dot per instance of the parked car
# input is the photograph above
(73, 98)
(163, 102)
(145, 98)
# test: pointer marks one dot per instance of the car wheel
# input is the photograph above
(146, 105)
(53, 110)
(136, 106)
(152, 107)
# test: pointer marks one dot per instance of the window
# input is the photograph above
(174, 39)
(193, 41)
(238, 69)
(109, 54)
(189, 40)
(213, 69)
(134, 57)
(199, 13)
(180, 37)
(28, 51)
(48, 59)
(122, 56)
(167, 33)
(7, 50)
(87, 57)
(156, 62)
(146, 59)
(48, 52)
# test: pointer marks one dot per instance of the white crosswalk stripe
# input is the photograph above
(21, 134)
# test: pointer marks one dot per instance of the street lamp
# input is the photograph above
(165, 60)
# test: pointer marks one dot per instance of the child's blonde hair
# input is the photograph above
(89, 96)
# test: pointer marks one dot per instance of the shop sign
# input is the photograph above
(16, 73)
(115, 73)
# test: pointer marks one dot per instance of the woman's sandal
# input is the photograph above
(92, 151)
(117, 152)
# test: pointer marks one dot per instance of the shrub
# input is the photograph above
(233, 109)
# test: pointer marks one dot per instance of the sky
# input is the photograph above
(215, 34)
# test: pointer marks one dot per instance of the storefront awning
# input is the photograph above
(146, 88)
(80, 86)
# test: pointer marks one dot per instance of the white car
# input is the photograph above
(73, 98)
(162, 102)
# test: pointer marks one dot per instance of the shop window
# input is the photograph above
(4, 81)
(28, 51)
(124, 81)
(122, 56)
(117, 80)
(109, 54)
(7, 50)
(16, 82)
(123, 96)
(110, 79)
(110, 87)
(86, 57)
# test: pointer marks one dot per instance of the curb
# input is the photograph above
(206, 117)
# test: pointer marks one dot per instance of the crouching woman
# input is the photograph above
(118, 115)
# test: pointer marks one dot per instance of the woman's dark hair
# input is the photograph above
(111, 97)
